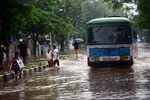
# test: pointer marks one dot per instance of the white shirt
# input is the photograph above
(49, 55)
(20, 63)
(55, 54)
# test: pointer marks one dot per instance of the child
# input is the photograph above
(17, 65)
(55, 56)
(49, 58)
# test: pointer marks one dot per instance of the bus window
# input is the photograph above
(90, 36)
(110, 34)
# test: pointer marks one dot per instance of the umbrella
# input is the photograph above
(79, 40)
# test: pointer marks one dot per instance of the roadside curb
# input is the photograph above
(1, 77)
(10, 76)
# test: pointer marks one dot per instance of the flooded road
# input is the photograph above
(76, 81)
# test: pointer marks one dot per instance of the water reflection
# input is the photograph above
(76, 81)
(42, 87)
(112, 83)
(142, 78)
(12, 90)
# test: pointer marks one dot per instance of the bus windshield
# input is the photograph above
(110, 34)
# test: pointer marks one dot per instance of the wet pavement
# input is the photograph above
(76, 81)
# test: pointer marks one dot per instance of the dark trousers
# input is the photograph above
(56, 62)
(50, 63)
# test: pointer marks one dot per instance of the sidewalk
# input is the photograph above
(37, 65)
(34, 66)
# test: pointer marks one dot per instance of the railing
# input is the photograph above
(143, 50)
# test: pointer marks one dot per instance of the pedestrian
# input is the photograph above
(76, 47)
(49, 58)
(23, 50)
(2, 56)
(17, 66)
(55, 56)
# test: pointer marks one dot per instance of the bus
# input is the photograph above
(110, 40)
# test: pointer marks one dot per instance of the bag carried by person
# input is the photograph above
(20, 63)
(17, 64)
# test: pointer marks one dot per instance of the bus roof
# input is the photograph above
(108, 19)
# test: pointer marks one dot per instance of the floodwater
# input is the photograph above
(76, 81)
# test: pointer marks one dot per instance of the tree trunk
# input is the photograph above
(35, 38)
(62, 46)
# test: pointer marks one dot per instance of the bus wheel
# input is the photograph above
(89, 63)
(131, 62)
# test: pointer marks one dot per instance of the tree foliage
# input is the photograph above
(62, 18)
(144, 14)
(12, 16)
(28, 16)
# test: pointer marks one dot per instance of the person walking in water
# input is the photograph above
(2, 52)
(55, 56)
(76, 47)
(49, 56)
(23, 50)
(17, 65)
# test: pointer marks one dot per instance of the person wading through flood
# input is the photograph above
(76, 48)
(17, 65)
(55, 56)
(49, 58)
(2, 53)
(23, 50)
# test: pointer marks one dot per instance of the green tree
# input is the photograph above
(144, 14)
(12, 16)
(36, 16)
(91, 9)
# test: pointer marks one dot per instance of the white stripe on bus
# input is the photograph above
(111, 46)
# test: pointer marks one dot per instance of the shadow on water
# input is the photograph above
(112, 83)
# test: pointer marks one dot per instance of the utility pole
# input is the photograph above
(50, 36)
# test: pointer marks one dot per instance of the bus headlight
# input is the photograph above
(124, 58)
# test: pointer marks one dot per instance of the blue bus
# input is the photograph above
(110, 41)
